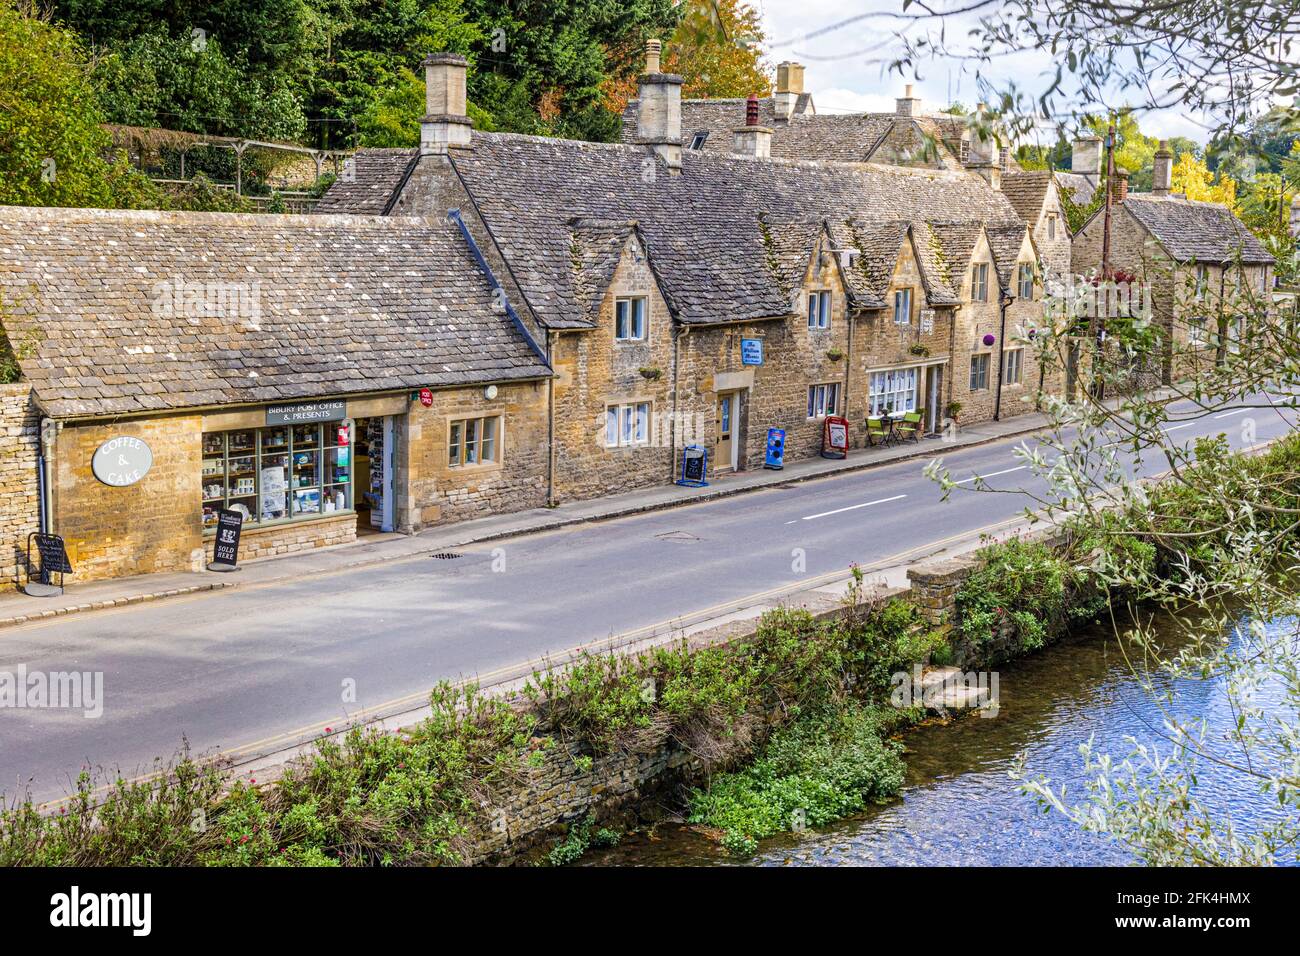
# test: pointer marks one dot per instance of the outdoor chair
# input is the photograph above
(909, 427)
(877, 431)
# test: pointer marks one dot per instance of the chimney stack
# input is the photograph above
(789, 87)
(445, 122)
(1120, 191)
(1085, 155)
(907, 104)
(1162, 175)
(751, 139)
(659, 115)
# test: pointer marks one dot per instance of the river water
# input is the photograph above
(959, 806)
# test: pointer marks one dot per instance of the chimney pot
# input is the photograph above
(751, 110)
(652, 50)
(1162, 172)
(1120, 190)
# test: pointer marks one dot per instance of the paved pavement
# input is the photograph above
(276, 659)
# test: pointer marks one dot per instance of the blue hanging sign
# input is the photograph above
(775, 458)
(751, 351)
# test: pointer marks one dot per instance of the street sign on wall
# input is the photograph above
(303, 412)
(751, 351)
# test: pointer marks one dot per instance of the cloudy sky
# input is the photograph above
(844, 71)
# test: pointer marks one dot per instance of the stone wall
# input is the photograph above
(431, 491)
(19, 491)
(255, 542)
(153, 525)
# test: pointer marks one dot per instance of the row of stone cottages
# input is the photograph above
(489, 323)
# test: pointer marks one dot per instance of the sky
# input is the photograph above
(844, 73)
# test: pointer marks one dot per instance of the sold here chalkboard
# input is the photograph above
(225, 553)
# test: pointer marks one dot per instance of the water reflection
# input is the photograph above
(959, 807)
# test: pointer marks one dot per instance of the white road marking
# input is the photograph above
(1174, 428)
(865, 504)
(1238, 411)
(992, 474)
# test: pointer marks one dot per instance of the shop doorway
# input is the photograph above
(373, 474)
(933, 399)
(728, 421)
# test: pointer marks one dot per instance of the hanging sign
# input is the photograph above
(775, 458)
(121, 461)
(751, 351)
(225, 553)
(302, 412)
(835, 437)
(426, 397)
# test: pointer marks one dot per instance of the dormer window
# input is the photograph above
(629, 319)
(979, 286)
(819, 309)
(1026, 280)
(697, 141)
(903, 307)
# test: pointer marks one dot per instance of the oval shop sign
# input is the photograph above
(121, 461)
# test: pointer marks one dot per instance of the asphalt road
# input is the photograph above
(228, 668)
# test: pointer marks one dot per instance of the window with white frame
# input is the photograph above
(473, 441)
(1196, 331)
(903, 307)
(823, 399)
(1026, 280)
(979, 372)
(1013, 366)
(819, 310)
(894, 391)
(1202, 281)
(697, 141)
(627, 424)
(979, 287)
(629, 319)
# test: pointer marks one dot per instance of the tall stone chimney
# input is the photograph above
(659, 116)
(789, 87)
(907, 104)
(445, 122)
(1085, 155)
(751, 139)
(1162, 174)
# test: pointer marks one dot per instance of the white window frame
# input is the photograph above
(823, 399)
(979, 282)
(1198, 331)
(484, 448)
(903, 297)
(1202, 282)
(1026, 276)
(638, 308)
(1013, 363)
(987, 358)
(699, 139)
(627, 424)
(819, 309)
(895, 388)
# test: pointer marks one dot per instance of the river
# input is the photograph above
(959, 807)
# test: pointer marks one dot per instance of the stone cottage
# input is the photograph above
(323, 376)
(704, 296)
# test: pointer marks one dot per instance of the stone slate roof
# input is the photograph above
(333, 305)
(1196, 231)
(365, 187)
(1005, 241)
(597, 246)
(1027, 191)
(849, 138)
(790, 248)
(1083, 187)
(878, 244)
(701, 228)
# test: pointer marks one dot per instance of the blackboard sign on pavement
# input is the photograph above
(225, 553)
(54, 560)
(695, 465)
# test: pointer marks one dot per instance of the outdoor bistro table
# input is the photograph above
(887, 423)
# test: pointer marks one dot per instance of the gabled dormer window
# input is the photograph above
(903, 307)
(1026, 280)
(819, 309)
(979, 286)
(629, 319)
(697, 141)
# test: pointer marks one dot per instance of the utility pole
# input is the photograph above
(1095, 327)
(1110, 181)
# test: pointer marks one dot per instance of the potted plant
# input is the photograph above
(835, 354)
(651, 373)
(919, 349)
(953, 411)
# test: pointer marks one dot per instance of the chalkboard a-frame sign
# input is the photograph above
(225, 552)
